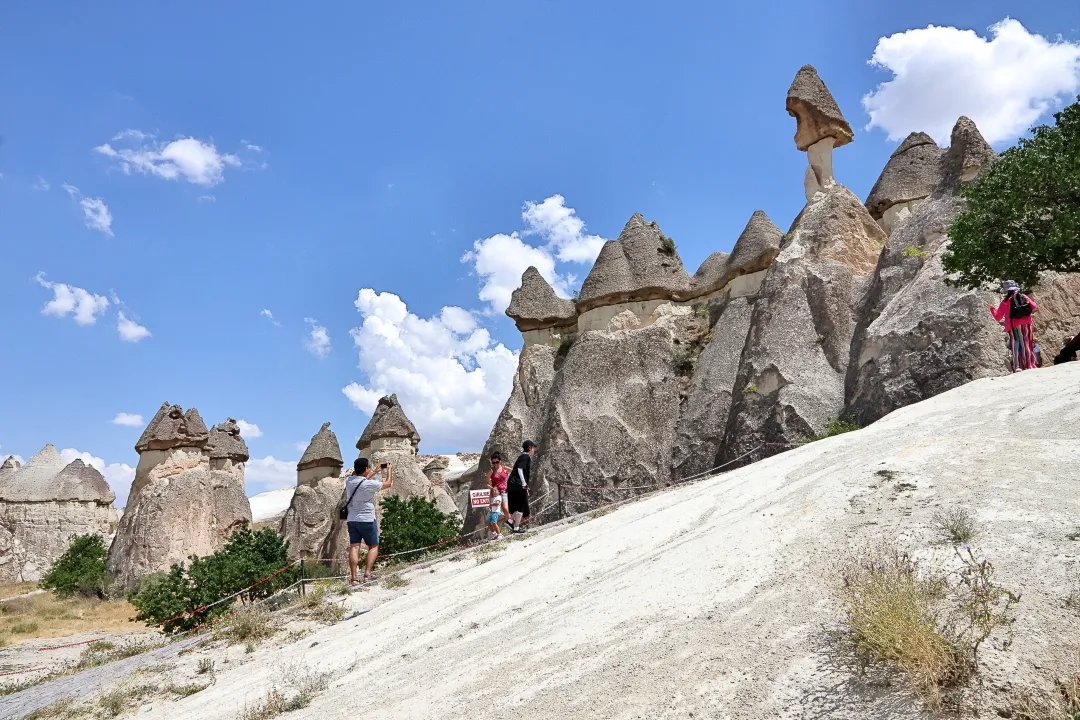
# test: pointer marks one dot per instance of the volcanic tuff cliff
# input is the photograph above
(653, 375)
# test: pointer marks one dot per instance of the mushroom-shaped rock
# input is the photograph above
(968, 153)
(225, 442)
(171, 427)
(439, 463)
(641, 264)
(754, 251)
(535, 305)
(83, 483)
(388, 423)
(322, 451)
(816, 112)
(912, 173)
(820, 127)
(34, 481)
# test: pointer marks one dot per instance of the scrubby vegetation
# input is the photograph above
(248, 557)
(413, 523)
(923, 627)
(80, 570)
(955, 527)
(47, 615)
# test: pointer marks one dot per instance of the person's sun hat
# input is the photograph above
(1009, 286)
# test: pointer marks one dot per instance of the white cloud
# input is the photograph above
(301, 447)
(118, 475)
(5, 454)
(1004, 83)
(130, 331)
(318, 340)
(501, 259)
(249, 430)
(41, 184)
(96, 213)
(270, 316)
(128, 419)
(563, 230)
(207, 198)
(186, 158)
(450, 376)
(269, 473)
(69, 300)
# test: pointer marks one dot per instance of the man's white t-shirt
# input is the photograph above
(362, 505)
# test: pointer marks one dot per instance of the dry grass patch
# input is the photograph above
(488, 551)
(955, 527)
(47, 616)
(924, 627)
(247, 624)
(306, 684)
(395, 581)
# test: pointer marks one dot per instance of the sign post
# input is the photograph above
(480, 498)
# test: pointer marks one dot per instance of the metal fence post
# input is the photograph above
(303, 590)
(559, 487)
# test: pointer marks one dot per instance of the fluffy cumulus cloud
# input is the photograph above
(96, 213)
(1004, 82)
(269, 473)
(560, 237)
(4, 455)
(128, 419)
(129, 330)
(186, 158)
(118, 475)
(317, 341)
(249, 430)
(450, 376)
(84, 307)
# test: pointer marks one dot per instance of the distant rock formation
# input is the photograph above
(658, 376)
(319, 486)
(187, 497)
(45, 503)
(390, 437)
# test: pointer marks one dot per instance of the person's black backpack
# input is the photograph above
(1068, 353)
(343, 510)
(1019, 306)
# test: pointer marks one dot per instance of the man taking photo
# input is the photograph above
(360, 489)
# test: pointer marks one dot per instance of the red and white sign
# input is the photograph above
(480, 498)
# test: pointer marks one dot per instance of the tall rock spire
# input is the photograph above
(820, 127)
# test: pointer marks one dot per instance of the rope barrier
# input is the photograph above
(19, 672)
(58, 647)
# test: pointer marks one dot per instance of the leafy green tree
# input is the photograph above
(81, 569)
(1023, 211)
(248, 557)
(412, 524)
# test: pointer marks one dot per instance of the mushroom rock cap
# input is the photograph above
(815, 110)
(171, 427)
(641, 264)
(912, 173)
(323, 450)
(968, 153)
(535, 304)
(34, 481)
(388, 421)
(439, 463)
(225, 442)
(79, 481)
(756, 248)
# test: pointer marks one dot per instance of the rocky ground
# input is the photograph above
(713, 599)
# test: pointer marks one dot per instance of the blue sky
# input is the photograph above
(192, 166)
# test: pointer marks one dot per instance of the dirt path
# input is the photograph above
(85, 683)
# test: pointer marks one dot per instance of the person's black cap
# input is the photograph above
(528, 445)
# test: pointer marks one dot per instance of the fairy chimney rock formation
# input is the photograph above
(321, 459)
(967, 155)
(389, 429)
(45, 503)
(912, 173)
(309, 519)
(187, 497)
(820, 127)
(757, 246)
(540, 314)
(638, 271)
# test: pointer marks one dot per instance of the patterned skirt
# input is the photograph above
(1021, 348)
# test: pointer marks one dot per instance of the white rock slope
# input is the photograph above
(709, 600)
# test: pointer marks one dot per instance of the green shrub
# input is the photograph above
(836, 427)
(80, 570)
(912, 251)
(412, 524)
(249, 556)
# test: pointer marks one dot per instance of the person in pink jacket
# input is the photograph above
(1014, 312)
